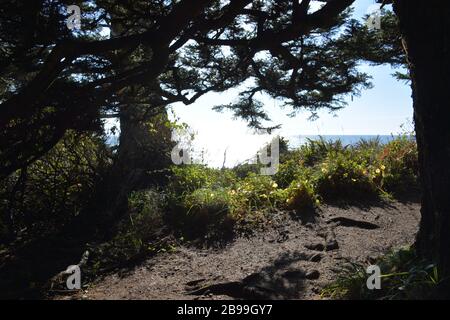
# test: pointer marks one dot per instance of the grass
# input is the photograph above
(403, 276)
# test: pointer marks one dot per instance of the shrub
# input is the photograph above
(367, 151)
(243, 170)
(207, 213)
(315, 151)
(401, 159)
(145, 212)
(403, 276)
(138, 235)
(57, 187)
(199, 203)
(288, 171)
(215, 210)
(310, 154)
(342, 176)
(186, 179)
(301, 196)
(317, 170)
(257, 192)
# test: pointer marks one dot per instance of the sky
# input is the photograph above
(381, 110)
(378, 111)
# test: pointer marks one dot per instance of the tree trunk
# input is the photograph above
(425, 27)
(144, 143)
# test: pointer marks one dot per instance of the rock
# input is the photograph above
(312, 275)
(309, 225)
(316, 257)
(294, 274)
(331, 244)
(315, 246)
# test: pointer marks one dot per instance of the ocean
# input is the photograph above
(296, 141)
(246, 148)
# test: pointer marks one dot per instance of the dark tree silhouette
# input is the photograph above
(177, 50)
(425, 28)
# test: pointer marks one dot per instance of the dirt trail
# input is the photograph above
(292, 260)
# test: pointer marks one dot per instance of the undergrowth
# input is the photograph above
(212, 203)
(403, 276)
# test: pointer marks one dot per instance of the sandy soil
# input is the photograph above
(293, 259)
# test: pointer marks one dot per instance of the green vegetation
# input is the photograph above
(197, 204)
(202, 202)
(403, 276)
(210, 203)
(139, 234)
(40, 199)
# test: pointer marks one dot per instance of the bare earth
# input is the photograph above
(293, 259)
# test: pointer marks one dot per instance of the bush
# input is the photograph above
(401, 160)
(288, 171)
(145, 212)
(199, 203)
(138, 234)
(54, 189)
(224, 203)
(301, 196)
(207, 212)
(315, 151)
(187, 179)
(257, 192)
(344, 176)
(403, 276)
(317, 170)
(244, 170)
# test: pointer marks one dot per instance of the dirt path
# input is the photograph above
(292, 260)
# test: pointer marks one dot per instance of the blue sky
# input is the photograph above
(378, 111)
